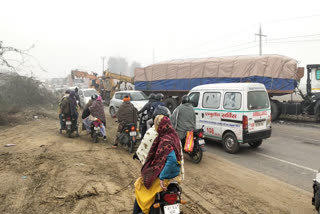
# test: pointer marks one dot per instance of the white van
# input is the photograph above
(233, 113)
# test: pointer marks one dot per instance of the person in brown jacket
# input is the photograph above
(126, 114)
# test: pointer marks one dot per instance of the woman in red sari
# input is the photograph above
(163, 163)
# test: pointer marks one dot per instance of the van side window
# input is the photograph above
(211, 100)
(232, 100)
(118, 96)
(194, 98)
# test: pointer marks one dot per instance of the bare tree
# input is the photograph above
(11, 50)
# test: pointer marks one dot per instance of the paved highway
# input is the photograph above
(292, 154)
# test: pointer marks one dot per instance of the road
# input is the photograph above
(291, 155)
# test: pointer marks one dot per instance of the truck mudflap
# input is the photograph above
(255, 136)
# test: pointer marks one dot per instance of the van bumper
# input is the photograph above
(255, 136)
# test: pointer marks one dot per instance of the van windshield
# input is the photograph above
(258, 100)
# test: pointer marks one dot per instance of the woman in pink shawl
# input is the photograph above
(97, 110)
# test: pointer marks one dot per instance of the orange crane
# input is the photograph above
(93, 80)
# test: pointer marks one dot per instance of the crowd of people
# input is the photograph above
(161, 147)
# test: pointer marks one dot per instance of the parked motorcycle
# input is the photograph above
(316, 192)
(95, 130)
(70, 125)
(168, 202)
(198, 148)
(128, 136)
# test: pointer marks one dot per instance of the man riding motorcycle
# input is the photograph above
(126, 114)
(147, 107)
(64, 108)
(154, 106)
(184, 118)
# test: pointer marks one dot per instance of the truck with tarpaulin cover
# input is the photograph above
(280, 75)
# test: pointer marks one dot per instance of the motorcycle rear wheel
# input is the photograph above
(130, 146)
(196, 154)
(69, 133)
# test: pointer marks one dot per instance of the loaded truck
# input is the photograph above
(280, 75)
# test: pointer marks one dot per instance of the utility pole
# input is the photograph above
(103, 58)
(153, 56)
(260, 40)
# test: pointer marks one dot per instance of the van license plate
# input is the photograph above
(201, 142)
(259, 124)
(172, 209)
(133, 133)
(68, 123)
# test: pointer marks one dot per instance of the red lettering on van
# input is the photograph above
(212, 114)
(259, 113)
(229, 115)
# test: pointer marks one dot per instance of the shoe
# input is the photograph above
(115, 146)
(60, 131)
(105, 138)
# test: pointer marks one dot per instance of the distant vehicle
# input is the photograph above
(85, 95)
(138, 99)
(233, 113)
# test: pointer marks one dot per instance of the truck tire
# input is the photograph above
(171, 103)
(275, 110)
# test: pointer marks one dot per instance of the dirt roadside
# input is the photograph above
(48, 173)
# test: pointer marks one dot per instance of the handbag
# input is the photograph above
(189, 143)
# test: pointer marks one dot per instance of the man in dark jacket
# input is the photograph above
(126, 114)
(184, 118)
(154, 106)
(148, 106)
(64, 109)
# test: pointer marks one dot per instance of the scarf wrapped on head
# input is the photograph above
(167, 141)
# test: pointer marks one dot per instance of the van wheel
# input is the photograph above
(230, 143)
(255, 144)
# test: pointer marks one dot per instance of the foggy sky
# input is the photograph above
(75, 34)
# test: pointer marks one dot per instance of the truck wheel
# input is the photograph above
(171, 104)
(275, 111)
(255, 144)
(230, 143)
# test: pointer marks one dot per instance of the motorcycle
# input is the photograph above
(95, 130)
(70, 125)
(128, 136)
(168, 202)
(198, 148)
(143, 124)
(316, 192)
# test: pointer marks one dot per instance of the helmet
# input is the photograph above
(68, 91)
(159, 97)
(185, 99)
(152, 96)
(161, 110)
(94, 96)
